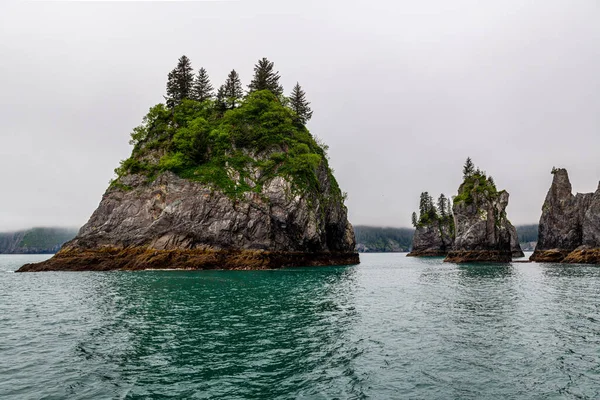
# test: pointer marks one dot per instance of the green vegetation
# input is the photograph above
(234, 143)
(265, 78)
(377, 239)
(430, 213)
(475, 181)
(300, 105)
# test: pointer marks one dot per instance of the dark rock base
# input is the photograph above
(577, 256)
(549, 256)
(427, 253)
(108, 259)
(518, 253)
(583, 256)
(477, 256)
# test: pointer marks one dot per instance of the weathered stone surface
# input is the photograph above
(432, 240)
(569, 228)
(515, 246)
(483, 231)
(177, 223)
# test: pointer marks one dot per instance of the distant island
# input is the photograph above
(473, 227)
(376, 239)
(35, 240)
(229, 180)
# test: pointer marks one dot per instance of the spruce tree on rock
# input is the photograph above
(414, 219)
(232, 90)
(300, 105)
(202, 89)
(442, 205)
(220, 103)
(265, 78)
(180, 81)
(469, 168)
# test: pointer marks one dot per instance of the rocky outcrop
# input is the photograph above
(483, 231)
(175, 223)
(432, 240)
(515, 246)
(569, 228)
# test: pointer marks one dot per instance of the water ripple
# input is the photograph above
(393, 327)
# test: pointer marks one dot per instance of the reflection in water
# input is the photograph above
(392, 327)
(195, 327)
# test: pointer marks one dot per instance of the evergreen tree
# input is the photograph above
(442, 204)
(299, 104)
(469, 168)
(232, 90)
(414, 219)
(220, 103)
(180, 81)
(491, 181)
(202, 89)
(449, 207)
(265, 78)
(431, 210)
(423, 205)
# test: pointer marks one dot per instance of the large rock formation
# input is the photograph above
(483, 231)
(432, 240)
(232, 203)
(569, 228)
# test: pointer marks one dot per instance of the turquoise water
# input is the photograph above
(392, 327)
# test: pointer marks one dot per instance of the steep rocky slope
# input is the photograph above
(197, 197)
(483, 231)
(433, 239)
(569, 228)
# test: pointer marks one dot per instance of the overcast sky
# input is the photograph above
(402, 91)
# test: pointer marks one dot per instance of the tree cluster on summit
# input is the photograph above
(429, 212)
(183, 84)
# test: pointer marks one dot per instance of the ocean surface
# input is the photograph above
(390, 328)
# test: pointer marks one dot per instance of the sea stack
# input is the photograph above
(434, 234)
(226, 183)
(569, 228)
(483, 231)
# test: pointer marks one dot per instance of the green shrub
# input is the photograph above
(199, 142)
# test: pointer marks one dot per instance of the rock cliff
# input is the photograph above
(483, 231)
(515, 246)
(432, 240)
(195, 198)
(569, 228)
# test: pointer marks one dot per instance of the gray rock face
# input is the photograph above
(188, 220)
(591, 221)
(432, 240)
(561, 223)
(515, 246)
(569, 223)
(483, 232)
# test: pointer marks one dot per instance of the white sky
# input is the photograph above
(402, 91)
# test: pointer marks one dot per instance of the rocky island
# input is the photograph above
(569, 228)
(474, 228)
(434, 233)
(230, 181)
